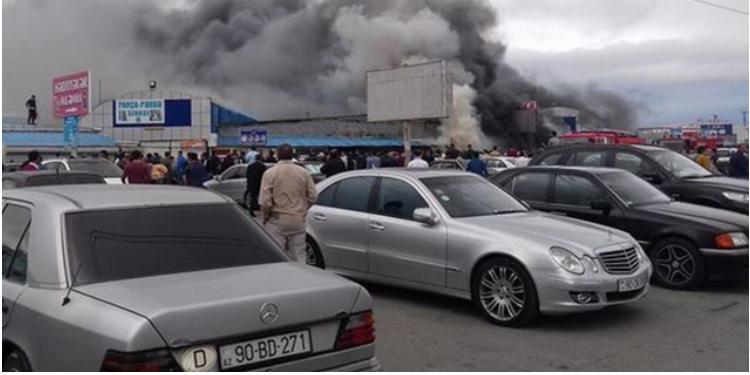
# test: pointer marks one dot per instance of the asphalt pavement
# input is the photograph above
(704, 330)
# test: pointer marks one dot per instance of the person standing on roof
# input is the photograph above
(286, 194)
(31, 107)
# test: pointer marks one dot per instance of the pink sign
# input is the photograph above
(70, 95)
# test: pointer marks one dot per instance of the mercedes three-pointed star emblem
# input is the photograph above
(269, 313)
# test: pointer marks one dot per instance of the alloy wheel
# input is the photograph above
(502, 293)
(310, 258)
(675, 264)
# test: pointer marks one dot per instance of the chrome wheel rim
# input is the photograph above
(675, 264)
(502, 293)
(310, 257)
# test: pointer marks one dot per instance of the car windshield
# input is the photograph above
(101, 167)
(633, 190)
(467, 196)
(495, 163)
(313, 168)
(117, 244)
(679, 165)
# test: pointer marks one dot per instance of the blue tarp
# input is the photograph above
(221, 116)
(321, 142)
(54, 139)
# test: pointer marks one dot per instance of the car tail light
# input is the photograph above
(156, 360)
(359, 329)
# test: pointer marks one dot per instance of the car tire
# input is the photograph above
(677, 264)
(506, 285)
(313, 255)
(16, 361)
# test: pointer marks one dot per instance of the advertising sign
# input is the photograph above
(70, 94)
(412, 92)
(70, 131)
(715, 130)
(139, 112)
(254, 137)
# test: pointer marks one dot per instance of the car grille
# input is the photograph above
(620, 262)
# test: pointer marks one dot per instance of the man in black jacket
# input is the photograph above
(254, 176)
(738, 163)
(334, 165)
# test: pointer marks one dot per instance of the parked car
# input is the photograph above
(12, 167)
(686, 242)
(722, 158)
(675, 174)
(452, 164)
(233, 182)
(14, 180)
(455, 233)
(124, 278)
(313, 167)
(103, 167)
(496, 165)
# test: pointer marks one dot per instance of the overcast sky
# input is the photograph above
(678, 60)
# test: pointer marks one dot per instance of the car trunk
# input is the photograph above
(224, 304)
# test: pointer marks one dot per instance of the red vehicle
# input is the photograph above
(602, 136)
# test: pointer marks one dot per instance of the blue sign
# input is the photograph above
(70, 131)
(254, 137)
(716, 130)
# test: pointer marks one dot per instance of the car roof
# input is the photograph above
(552, 168)
(101, 196)
(24, 175)
(645, 148)
(409, 172)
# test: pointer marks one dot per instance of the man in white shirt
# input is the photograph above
(417, 162)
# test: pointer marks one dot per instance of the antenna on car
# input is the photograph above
(66, 299)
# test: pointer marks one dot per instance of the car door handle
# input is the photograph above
(376, 226)
(320, 217)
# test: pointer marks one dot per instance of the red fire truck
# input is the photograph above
(602, 136)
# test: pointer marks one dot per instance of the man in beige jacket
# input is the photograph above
(287, 191)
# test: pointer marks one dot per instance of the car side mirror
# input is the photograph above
(425, 215)
(605, 207)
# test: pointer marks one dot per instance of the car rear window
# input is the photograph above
(117, 244)
(100, 167)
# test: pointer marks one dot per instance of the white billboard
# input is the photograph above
(413, 92)
(139, 111)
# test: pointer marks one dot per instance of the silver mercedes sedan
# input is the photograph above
(153, 278)
(457, 234)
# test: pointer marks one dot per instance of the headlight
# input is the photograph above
(737, 197)
(731, 240)
(567, 260)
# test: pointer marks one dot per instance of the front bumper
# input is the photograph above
(554, 289)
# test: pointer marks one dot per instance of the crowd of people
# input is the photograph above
(738, 161)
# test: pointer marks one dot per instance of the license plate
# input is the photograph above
(626, 285)
(265, 349)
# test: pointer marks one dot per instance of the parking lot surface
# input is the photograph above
(704, 330)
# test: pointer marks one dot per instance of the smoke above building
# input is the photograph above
(296, 58)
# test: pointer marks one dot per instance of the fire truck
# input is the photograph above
(602, 136)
